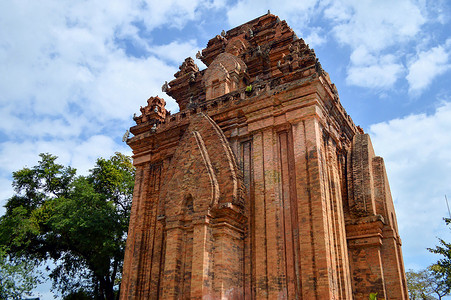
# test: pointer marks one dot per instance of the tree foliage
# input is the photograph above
(435, 281)
(17, 277)
(427, 284)
(78, 222)
(444, 249)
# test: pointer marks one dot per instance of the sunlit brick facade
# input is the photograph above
(261, 187)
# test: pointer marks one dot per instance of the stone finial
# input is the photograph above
(199, 55)
(188, 66)
(259, 51)
(318, 67)
(126, 135)
(165, 87)
(192, 77)
(154, 111)
(360, 130)
(223, 33)
(250, 33)
(221, 38)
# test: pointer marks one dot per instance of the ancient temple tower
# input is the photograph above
(261, 187)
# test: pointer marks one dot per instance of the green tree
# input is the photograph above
(417, 284)
(442, 269)
(426, 284)
(17, 277)
(78, 222)
(438, 282)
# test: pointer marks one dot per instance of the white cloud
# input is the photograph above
(19, 125)
(84, 154)
(316, 38)
(124, 84)
(295, 12)
(63, 78)
(373, 72)
(416, 150)
(55, 55)
(361, 56)
(439, 11)
(78, 153)
(427, 66)
(375, 24)
(369, 28)
(176, 51)
(175, 13)
(6, 192)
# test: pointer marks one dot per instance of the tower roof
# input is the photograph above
(266, 48)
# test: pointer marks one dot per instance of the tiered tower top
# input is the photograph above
(263, 49)
(261, 58)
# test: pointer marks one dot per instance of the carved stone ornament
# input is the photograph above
(223, 75)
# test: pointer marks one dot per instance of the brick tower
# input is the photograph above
(261, 187)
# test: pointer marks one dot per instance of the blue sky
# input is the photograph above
(73, 73)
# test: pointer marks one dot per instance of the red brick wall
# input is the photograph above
(271, 193)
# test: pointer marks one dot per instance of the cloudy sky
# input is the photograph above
(72, 74)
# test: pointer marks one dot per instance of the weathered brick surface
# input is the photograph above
(261, 187)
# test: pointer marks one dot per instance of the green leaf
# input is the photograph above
(78, 222)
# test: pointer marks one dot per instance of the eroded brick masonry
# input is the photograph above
(261, 187)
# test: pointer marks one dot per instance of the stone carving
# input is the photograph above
(188, 66)
(300, 56)
(236, 46)
(165, 87)
(155, 111)
(250, 33)
(126, 135)
(224, 75)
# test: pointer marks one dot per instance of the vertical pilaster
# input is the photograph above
(201, 282)
(306, 244)
(149, 236)
(133, 253)
(364, 244)
(339, 232)
(328, 214)
(249, 231)
(261, 279)
(228, 262)
(391, 243)
(316, 265)
(158, 250)
(289, 215)
(274, 220)
(173, 261)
